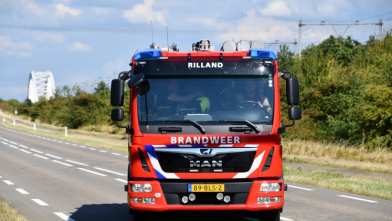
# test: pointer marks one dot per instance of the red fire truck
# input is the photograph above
(205, 130)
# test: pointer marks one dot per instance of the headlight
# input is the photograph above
(142, 188)
(270, 187)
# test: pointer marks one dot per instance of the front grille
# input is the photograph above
(230, 162)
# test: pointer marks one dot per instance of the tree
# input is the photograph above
(101, 87)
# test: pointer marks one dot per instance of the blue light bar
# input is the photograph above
(261, 54)
(148, 54)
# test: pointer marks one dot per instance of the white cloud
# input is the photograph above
(143, 13)
(31, 7)
(114, 66)
(278, 8)
(47, 37)
(77, 46)
(62, 10)
(9, 48)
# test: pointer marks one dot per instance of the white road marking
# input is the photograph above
(8, 182)
(109, 171)
(60, 141)
(91, 148)
(23, 146)
(63, 216)
(301, 188)
(40, 156)
(66, 143)
(4, 142)
(22, 191)
(65, 164)
(286, 219)
(103, 151)
(5, 139)
(124, 181)
(13, 143)
(117, 154)
(54, 156)
(35, 150)
(24, 150)
(355, 198)
(77, 163)
(40, 202)
(1, 177)
(100, 174)
(13, 146)
(74, 145)
(82, 146)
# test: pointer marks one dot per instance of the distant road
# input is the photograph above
(48, 179)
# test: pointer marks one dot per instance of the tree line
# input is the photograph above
(345, 90)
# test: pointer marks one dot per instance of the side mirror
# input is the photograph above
(295, 113)
(292, 90)
(135, 80)
(117, 114)
(117, 93)
(143, 87)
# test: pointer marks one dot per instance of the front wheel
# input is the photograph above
(271, 215)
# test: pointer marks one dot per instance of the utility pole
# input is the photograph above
(323, 24)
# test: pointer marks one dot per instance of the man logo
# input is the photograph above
(205, 151)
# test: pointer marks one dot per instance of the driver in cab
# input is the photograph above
(253, 97)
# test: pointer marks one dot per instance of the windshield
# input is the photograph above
(207, 99)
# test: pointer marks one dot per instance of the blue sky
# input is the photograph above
(82, 42)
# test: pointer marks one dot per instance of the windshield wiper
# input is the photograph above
(254, 127)
(198, 126)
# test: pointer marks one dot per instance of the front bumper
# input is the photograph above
(167, 196)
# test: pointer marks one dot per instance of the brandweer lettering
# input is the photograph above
(206, 65)
(205, 140)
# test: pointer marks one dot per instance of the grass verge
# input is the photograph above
(363, 185)
(338, 156)
(7, 213)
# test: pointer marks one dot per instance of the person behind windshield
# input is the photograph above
(172, 87)
(253, 97)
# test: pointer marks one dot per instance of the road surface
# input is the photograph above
(48, 179)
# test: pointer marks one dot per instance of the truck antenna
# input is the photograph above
(152, 37)
(242, 20)
(167, 37)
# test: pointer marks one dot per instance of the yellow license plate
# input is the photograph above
(206, 187)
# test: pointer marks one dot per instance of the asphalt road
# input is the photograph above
(47, 179)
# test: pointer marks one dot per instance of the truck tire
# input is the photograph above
(272, 215)
(141, 215)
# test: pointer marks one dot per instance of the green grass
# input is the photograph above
(363, 185)
(7, 213)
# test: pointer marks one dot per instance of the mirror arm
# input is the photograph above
(282, 129)
(129, 130)
(125, 75)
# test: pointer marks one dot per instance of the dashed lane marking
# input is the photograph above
(13, 146)
(93, 172)
(24, 150)
(54, 156)
(40, 202)
(109, 171)
(82, 146)
(8, 182)
(285, 219)
(355, 198)
(46, 158)
(121, 180)
(35, 150)
(23, 146)
(22, 191)
(103, 151)
(74, 145)
(65, 164)
(77, 163)
(63, 216)
(13, 143)
(301, 188)
(91, 148)
(117, 154)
